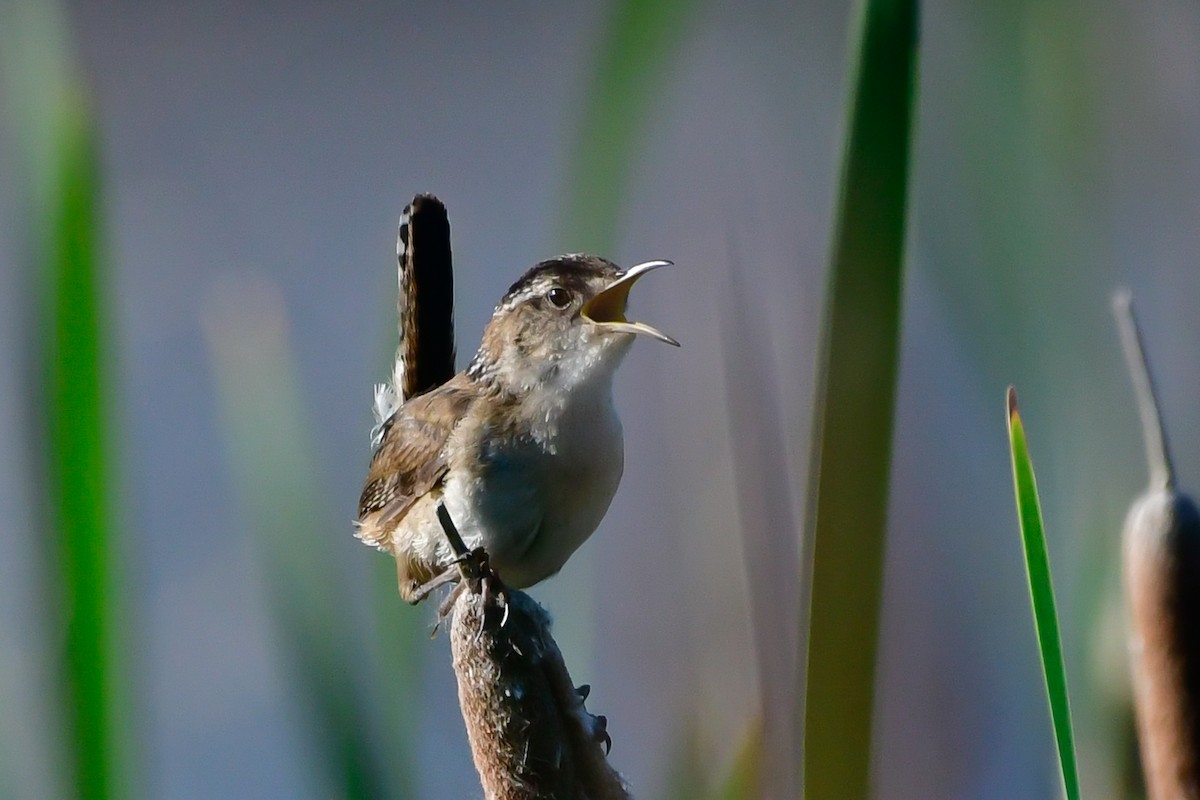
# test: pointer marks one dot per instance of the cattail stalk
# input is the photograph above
(1161, 545)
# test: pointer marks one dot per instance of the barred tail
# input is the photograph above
(425, 358)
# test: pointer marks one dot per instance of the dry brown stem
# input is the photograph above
(530, 735)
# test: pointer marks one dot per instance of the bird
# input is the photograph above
(523, 448)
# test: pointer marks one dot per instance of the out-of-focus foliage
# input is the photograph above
(856, 383)
(273, 460)
(742, 780)
(768, 526)
(72, 398)
(80, 473)
(634, 55)
(1057, 155)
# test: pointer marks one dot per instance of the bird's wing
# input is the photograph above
(410, 460)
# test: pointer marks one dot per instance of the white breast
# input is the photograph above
(581, 479)
(544, 495)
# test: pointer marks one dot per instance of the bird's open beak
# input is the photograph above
(608, 307)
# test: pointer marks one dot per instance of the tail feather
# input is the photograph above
(425, 358)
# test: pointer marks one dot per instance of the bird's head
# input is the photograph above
(563, 323)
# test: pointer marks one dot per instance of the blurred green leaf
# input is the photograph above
(636, 51)
(854, 405)
(744, 781)
(272, 456)
(1041, 592)
(690, 773)
(687, 769)
(766, 520)
(59, 166)
(79, 462)
(401, 635)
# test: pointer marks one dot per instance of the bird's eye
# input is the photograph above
(559, 297)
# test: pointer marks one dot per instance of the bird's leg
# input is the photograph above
(472, 571)
(433, 584)
(477, 572)
(473, 567)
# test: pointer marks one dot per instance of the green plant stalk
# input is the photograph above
(78, 462)
(56, 161)
(856, 379)
(686, 775)
(1041, 593)
(401, 636)
(745, 778)
(640, 42)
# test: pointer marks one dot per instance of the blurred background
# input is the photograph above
(252, 161)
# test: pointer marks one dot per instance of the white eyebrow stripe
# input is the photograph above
(537, 287)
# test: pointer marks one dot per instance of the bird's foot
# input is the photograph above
(595, 724)
(474, 572)
(484, 580)
(492, 588)
(473, 566)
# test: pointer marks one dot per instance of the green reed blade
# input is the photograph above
(76, 390)
(856, 379)
(1041, 592)
(58, 165)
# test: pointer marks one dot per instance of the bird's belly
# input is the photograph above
(531, 508)
(496, 507)
(576, 499)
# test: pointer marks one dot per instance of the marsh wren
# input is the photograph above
(524, 447)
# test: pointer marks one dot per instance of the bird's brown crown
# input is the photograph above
(581, 274)
(537, 325)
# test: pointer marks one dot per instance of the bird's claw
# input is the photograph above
(595, 724)
(491, 590)
(600, 732)
(473, 564)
